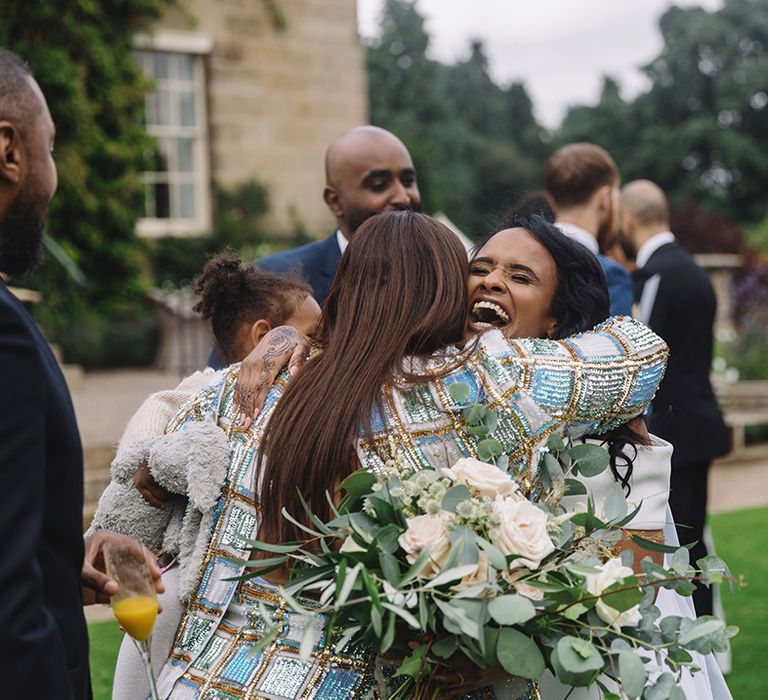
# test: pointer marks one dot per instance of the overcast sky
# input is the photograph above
(559, 48)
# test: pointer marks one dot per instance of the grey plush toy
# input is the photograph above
(192, 464)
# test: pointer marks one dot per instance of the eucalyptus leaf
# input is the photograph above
(680, 561)
(511, 609)
(615, 503)
(390, 568)
(477, 431)
(387, 538)
(576, 661)
(446, 646)
(491, 420)
(713, 569)
(632, 673)
(592, 459)
(495, 557)
(309, 639)
(358, 483)
(345, 638)
(574, 487)
(555, 443)
(466, 624)
(624, 595)
(455, 495)
(474, 414)
(488, 449)
(661, 689)
(463, 547)
(518, 654)
(702, 627)
(553, 468)
(459, 392)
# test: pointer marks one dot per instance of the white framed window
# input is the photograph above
(177, 191)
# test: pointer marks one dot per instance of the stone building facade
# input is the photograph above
(248, 89)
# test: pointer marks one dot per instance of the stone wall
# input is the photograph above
(278, 96)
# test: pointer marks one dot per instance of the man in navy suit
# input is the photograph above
(582, 183)
(43, 639)
(367, 170)
(676, 299)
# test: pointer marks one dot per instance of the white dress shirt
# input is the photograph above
(652, 245)
(579, 235)
(341, 239)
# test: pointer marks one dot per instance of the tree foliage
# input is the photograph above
(80, 52)
(701, 128)
(474, 144)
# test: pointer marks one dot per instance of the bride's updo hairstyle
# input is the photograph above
(400, 290)
(234, 295)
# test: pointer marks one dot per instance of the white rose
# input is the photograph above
(426, 531)
(523, 531)
(482, 574)
(613, 571)
(529, 591)
(486, 479)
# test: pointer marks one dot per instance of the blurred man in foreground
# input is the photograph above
(43, 638)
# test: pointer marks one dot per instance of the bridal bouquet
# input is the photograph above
(463, 560)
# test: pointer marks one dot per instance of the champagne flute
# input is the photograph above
(135, 603)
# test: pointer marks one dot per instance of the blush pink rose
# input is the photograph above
(426, 531)
(523, 531)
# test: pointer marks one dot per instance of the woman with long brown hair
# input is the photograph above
(391, 343)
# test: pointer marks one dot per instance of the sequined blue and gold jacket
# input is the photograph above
(586, 384)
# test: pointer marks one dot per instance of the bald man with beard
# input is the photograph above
(367, 170)
(676, 299)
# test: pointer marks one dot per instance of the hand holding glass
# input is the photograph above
(135, 603)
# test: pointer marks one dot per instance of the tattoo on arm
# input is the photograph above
(279, 342)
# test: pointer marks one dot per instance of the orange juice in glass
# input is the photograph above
(135, 603)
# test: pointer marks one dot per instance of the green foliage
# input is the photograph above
(699, 129)
(474, 143)
(80, 52)
(236, 225)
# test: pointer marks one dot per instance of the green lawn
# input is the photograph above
(740, 539)
(105, 638)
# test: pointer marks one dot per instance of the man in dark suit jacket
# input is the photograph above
(676, 299)
(43, 638)
(367, 170)
(582, 184)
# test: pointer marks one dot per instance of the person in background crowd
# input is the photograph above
(44, 561)
(582, 183)
(676, 299)
(367, 170)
